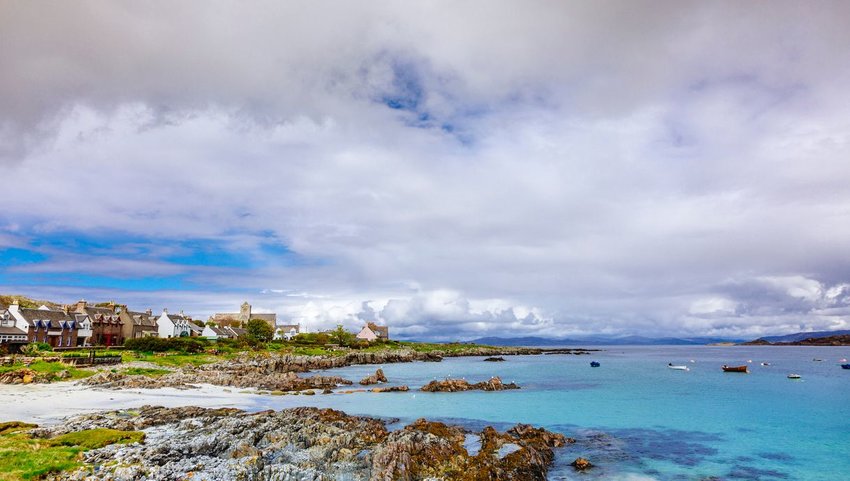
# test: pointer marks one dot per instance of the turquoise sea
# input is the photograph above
(638, 420)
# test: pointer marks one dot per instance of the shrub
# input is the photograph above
(156, 344)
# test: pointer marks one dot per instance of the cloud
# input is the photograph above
(549, 169)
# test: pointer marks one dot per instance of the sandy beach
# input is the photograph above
(49, 403)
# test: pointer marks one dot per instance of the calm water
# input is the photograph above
(638, 420)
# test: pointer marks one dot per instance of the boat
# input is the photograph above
(765, 364)
(678, 368)
(743, 368)
(817, 360)
(594, 364)
(845, 366)
(794, 376)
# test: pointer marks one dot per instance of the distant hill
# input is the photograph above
(822, 338)
(800, 336)
(24, 301)
(601, 341)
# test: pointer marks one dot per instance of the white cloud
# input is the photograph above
(548, 176)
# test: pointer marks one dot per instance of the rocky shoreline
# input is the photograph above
(303, 444)
(278, 372)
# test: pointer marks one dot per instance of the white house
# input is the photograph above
(173, 325)
(373, 332)
(225, 332)
(287, 331)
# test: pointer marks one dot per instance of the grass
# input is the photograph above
(142, 371)
(23, 457)
(50, 370)
(177, 360)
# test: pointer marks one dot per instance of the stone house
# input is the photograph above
(137, 324)
(107, 326)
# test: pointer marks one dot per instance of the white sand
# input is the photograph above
(50, 403)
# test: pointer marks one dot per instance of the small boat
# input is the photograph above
(765, 364)
(842, 360)
(817, 360)
(845, 366)
(594, 364)
(793, 376)
(743, 368)
(678, 368)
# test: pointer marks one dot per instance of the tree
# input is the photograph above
(341, 336)
(259, 330)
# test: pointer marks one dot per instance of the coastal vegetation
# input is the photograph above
(24, 456)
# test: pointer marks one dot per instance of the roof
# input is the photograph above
(380, 331)
(33, 315)
(288, 327)
(101, 313)
(194, 327)
(11, 331)
(264, 317)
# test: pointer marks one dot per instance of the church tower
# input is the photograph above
(245, 312)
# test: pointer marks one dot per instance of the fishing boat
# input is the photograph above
(794, 376)
(678, 368)
(594, 364)
(743, 368)
(845, 366)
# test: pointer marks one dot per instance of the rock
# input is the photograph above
(391, 389)
(494, 359)
(374, 378)
(300, 444)
(456, 385)
(581, 464)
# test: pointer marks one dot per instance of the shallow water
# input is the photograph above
(638, 420)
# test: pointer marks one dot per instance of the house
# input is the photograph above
(52, 326)
(11, 336)
(245, 314)
(225, 332)
(85, 332)
(137, 324)
(287, 331)
(106, 324)
(173, 325)
(195, 329)
(373, 332)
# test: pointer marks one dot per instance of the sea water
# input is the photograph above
(634, 418)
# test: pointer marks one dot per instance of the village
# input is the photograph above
(110, 324)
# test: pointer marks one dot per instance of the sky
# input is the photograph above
(450, 169)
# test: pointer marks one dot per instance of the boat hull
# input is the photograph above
(743, 369)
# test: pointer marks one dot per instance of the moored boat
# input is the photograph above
(845, 366)
(594, 364)
(794, 376)
(678, 368)
(743, 368)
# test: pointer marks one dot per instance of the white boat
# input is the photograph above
(794, 376)
(678, 368)
(765, 364)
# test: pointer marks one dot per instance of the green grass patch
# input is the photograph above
(52, 371)
(143, 371)
(23, 457)
(178, 360)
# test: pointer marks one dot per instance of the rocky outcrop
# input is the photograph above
(391, 389)
(494, 359)
(456, 385)
(581, 464)
(301, 444)
(28, 376)
(286, 381)
(374, 378)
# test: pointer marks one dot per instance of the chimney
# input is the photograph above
(81, 304)
(165, 310)
(149, 312)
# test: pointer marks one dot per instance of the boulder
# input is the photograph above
(374, 378)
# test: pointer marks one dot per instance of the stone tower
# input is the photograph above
(245, 312)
